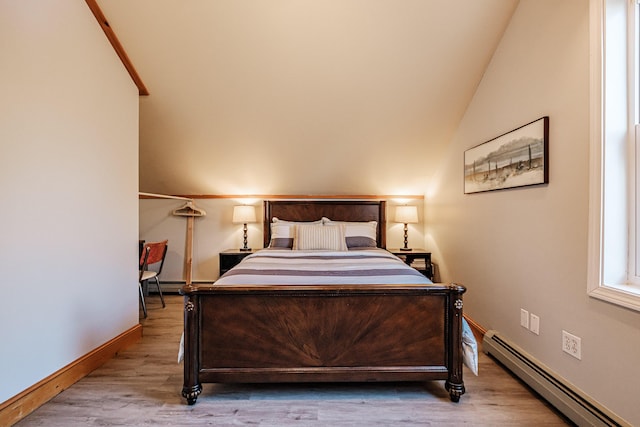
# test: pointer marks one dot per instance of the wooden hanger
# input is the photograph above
(189, 210)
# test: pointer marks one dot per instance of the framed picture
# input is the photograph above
(515, 159)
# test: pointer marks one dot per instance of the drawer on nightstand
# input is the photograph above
(416, 258)
(230, 258)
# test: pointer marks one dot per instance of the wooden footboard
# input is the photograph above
(334, 333)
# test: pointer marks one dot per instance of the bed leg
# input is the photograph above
(191, 393)
(455, 390)
(191, 386)
(455, 384)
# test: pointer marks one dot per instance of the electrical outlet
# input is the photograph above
(534, 325)
(572, 344)
(524, 318)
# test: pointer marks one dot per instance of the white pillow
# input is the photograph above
(319, 237)
(283, 232)
(282, 236)
(358, 234)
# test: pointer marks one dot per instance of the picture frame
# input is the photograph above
(518, 158)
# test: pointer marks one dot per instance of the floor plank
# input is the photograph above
(141, 387)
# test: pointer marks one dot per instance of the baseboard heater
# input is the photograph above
(565, 397)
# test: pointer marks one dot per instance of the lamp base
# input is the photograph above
(245, 249)
(406, 249)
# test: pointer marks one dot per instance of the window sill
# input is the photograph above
(625, 295)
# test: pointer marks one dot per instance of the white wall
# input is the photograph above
(215, 232)
(527, 248)
(68, 181)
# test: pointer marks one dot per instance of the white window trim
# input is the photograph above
(607, 277)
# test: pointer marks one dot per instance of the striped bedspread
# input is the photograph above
(369, 266)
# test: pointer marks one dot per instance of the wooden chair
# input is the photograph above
(152, 253)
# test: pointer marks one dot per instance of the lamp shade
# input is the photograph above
(407, 214)
(244, 214)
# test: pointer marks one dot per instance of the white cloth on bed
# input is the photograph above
(469, 348)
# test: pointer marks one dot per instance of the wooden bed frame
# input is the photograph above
(330, 333)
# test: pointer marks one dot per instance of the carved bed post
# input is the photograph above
(191, 387)
(454, 384)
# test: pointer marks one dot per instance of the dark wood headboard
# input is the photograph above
(337, 210)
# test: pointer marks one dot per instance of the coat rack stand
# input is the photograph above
(190, 211)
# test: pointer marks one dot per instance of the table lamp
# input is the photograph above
(244, 214)
(406, 215)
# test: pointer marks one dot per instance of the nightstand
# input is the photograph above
(231, 257)
(416, 258)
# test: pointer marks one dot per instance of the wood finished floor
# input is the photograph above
(141, 387)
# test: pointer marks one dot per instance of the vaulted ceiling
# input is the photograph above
(248, 97)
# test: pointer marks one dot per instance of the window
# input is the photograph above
(614, 217)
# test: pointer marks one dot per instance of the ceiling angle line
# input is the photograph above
(111, 35)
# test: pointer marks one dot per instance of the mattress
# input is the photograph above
(282, 267)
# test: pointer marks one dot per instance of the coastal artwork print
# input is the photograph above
(516, 159)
